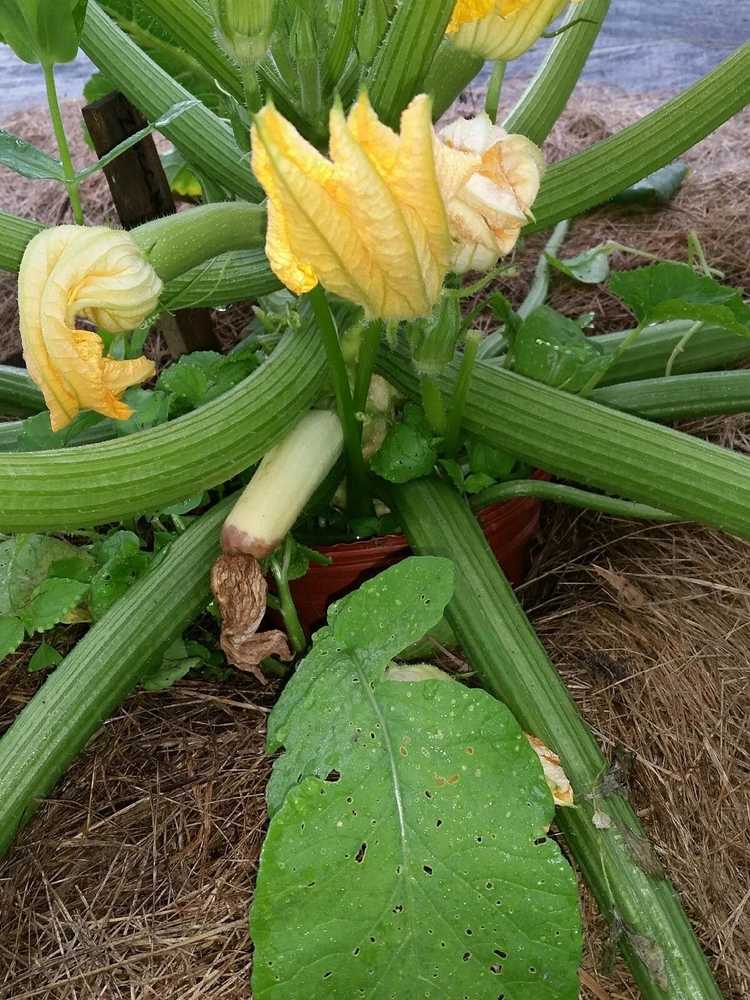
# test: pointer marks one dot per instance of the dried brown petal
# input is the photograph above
(240, 590)
(557, 780)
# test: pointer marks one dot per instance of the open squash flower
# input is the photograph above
(502, 29)
(369, 223)
(489, 180)
(96, 273)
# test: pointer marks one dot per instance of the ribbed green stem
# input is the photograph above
(602, 171)
(80, 487)
(581, 441)
(177, 243)
(680, 397)
(368, 355)
(451, 73)
(19, 397)
(546, 96)
(711, 348)
(404, 59)
(569, 495)
(232, 277)
(103, 669)
(62, 143)
(15, 234)
(189, 23)
(511, 663)
(457, 407)
(204, 139)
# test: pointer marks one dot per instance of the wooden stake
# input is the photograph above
(140, 191)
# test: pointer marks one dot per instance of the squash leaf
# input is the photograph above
(407, 854)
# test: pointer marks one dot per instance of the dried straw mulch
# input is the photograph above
(134, 882)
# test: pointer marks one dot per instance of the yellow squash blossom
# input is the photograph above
(96, 273)
(502, 29)
(489, 180)
(369, 223)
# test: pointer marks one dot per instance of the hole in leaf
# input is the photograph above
(399, 908)
(496, 969)
(489, 885)
(326, 975)
(539, 841)
(333, 776)
(428, 793)
(427, 870)
(501, 954)
(466, 956)
(355, 952)
(359, 857)
(469, 931)
(438, 823)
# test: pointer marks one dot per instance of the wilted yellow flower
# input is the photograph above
(96, 273)
(556, 778)
(369, 223)
(489, 181)
(502, 29)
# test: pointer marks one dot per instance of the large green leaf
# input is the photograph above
(406, 856)
(674, 291)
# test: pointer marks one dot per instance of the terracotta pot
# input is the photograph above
(509, 527)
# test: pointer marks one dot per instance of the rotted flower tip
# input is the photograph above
(490, 180)
(502, 29)
(369, 223)
(96, 273)
(244, 28)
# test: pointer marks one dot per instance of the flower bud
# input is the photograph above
(434, 340)
(502, 29)
(489, 181)
(244, 28)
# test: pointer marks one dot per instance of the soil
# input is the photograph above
(135, 879)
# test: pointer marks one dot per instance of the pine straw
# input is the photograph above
(135, 880)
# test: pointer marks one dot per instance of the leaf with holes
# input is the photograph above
(407, 854)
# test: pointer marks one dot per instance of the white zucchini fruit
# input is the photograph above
(282, 485)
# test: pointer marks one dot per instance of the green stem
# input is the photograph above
(194, 29)
(546, 96)
(358, 498)
(680, 397)
(62, 142)
(19, 397)
(141, 473)
(451, 73)
(102, 670)
(494, 89)
(580, 182)
(251, 89)
(680, 347)
(511, 662)
(458, 403)
(287, 607)
(537, 293)
(176, 243)
(711, 348)
(403, 61)
(368, 354)
(558, 493)
(584, 442)
(203, 138)
(433, 405)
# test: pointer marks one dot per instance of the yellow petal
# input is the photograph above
(555, 776)
(466, 11)
(369, 223)
(73, 271)
(507, 28)
(500, 181)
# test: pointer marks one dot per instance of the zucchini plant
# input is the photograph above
(408, 852)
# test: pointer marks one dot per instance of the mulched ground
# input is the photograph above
(135, 881)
